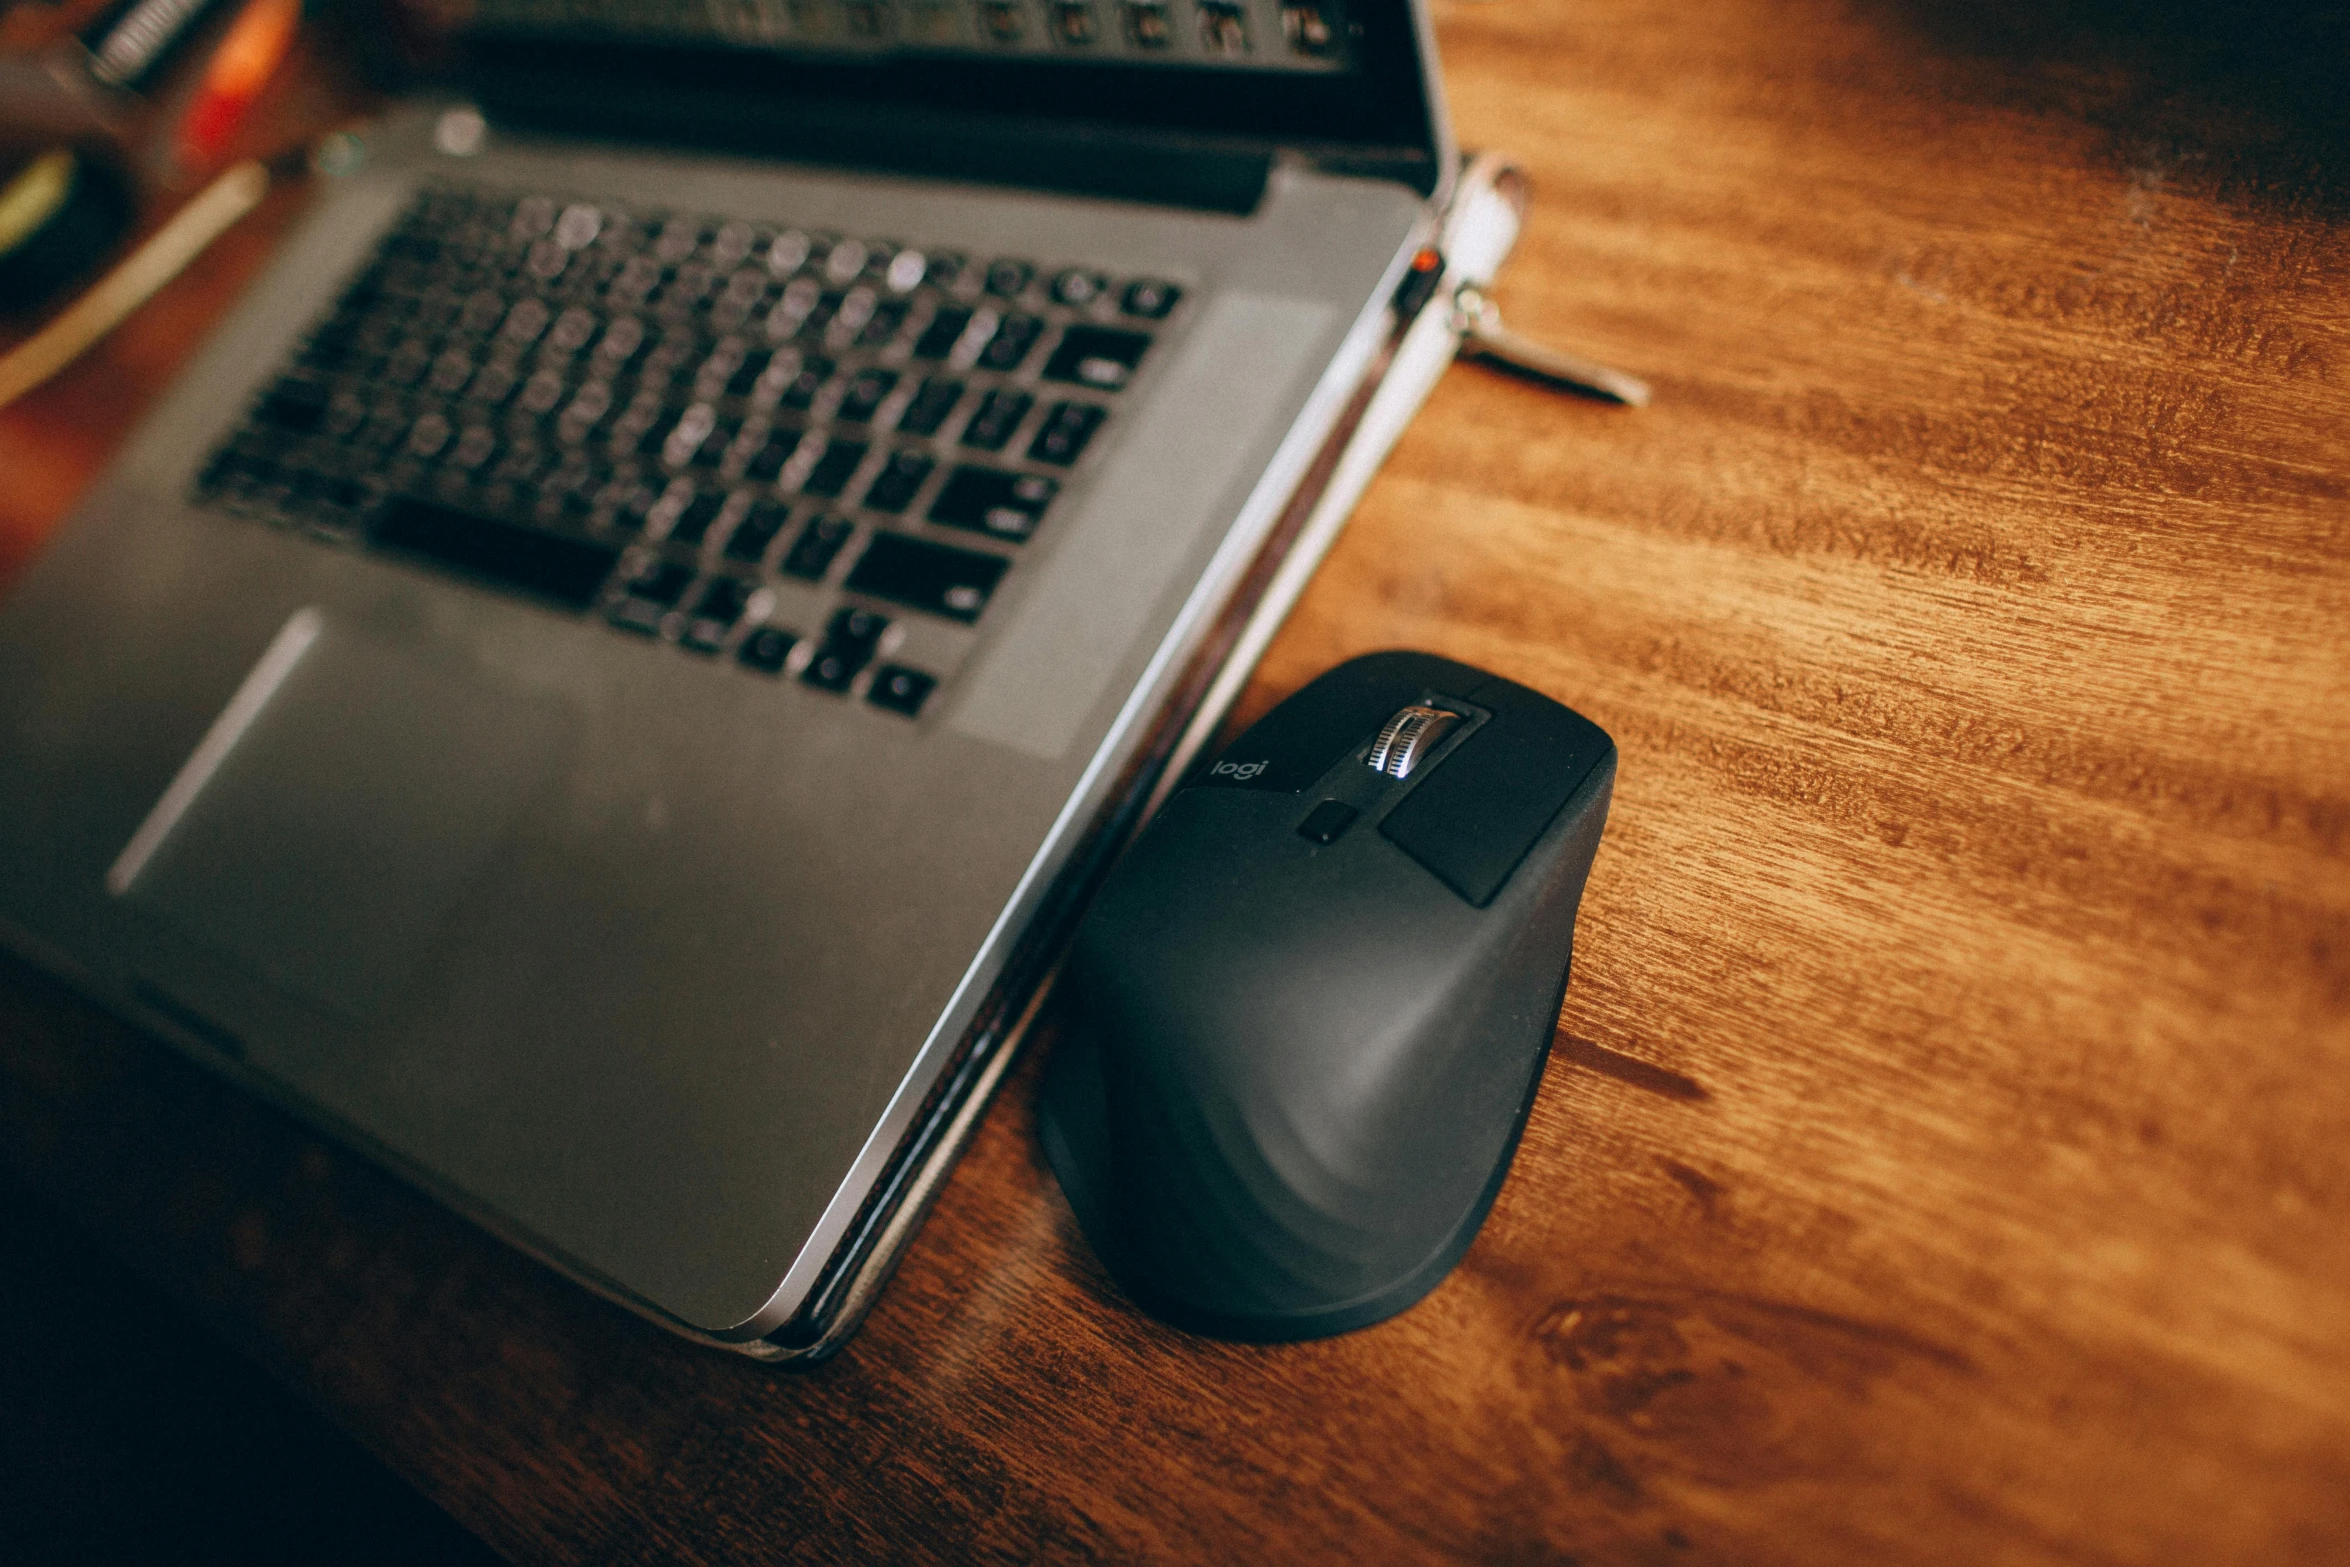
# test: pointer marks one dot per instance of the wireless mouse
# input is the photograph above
(1309, 1010)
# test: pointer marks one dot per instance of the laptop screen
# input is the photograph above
(1341, 80)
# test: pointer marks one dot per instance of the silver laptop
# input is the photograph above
(606, 680)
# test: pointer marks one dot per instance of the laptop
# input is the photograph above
(606, 681)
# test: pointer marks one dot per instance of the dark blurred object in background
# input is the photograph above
(162, 1445)
(62, 211)
(392, 43)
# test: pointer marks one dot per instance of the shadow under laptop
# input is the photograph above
(165, 1444)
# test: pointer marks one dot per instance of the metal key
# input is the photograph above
(1484, 338)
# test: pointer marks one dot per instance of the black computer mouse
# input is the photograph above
(1309, 1009)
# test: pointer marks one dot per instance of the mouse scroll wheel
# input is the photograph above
(1408, 738)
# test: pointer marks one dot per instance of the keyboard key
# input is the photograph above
(722, 604)
(585, 411)
(476, 444)
(1148, 25)
(541, 392)
(900, 689)
(745, 291)
(1223, 27)
(1066, 430)
(1000, 413)
(820, 314)
(895, 488)
(492, 384)
(987, 500)
(854, 627)
(448, 375)
(635, 435)
(631, 503)
(881, 327)
(788, 254)
(731, 244)
(406, 363)
(767, 462)
(1071, 21)
(428, 435)
(1149, 298)
(835, 468)
(525, 459)
(529, 317)
(1100, 356)
(801, 390)
(934, 577)
(641, 616)
(1078, 288)
(945, 330)
(791, 309)
(832, 669)
(680, 238)
(813, 551)
(566, 571)
(720, 441)
(622, 342)
(685, 438)
(533, 216)
(1009, 279)
(1014, 336)
(856, 309)
(943, 268)
(648, 600)
(693, 523)
(746, 375)
(294, 405)
(846, 261)
(867, 391)
(346, 412)
(848, 647)
(931, 404)
(766, 649)
(757, 530)
(663, 583)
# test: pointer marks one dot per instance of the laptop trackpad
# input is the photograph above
(337, 808)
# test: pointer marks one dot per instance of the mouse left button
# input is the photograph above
(1302, 738)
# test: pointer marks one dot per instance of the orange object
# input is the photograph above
(256, 44)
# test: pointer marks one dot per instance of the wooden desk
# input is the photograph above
(1947, 1157)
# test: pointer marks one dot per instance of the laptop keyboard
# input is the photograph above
(759, 443)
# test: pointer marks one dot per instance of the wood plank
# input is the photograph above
(1947, 1155)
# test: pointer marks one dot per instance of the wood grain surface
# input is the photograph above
(1947, 1153)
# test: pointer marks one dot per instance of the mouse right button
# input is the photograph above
(1477, 814)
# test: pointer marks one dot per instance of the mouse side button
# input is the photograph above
(1299, 740)
(1327, 823)
(1478, 813)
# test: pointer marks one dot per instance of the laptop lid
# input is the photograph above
(1186, 101)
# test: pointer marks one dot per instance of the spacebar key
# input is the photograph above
(567, 571)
